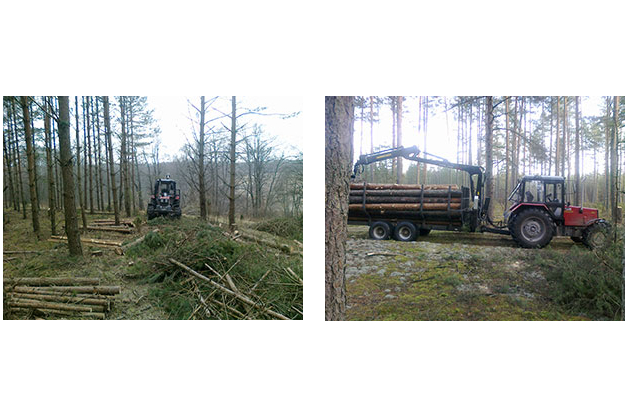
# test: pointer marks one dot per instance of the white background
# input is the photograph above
(314, 369)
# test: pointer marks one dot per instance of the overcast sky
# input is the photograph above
(440, 140)
(172, 114)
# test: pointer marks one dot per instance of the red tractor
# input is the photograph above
(539, 212)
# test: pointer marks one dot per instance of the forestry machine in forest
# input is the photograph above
(538, 209)
(165, 200)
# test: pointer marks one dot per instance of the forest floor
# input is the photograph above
(140, 297)
(451, 276)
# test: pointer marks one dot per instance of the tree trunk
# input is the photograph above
(232, 195)
(30, 155)
(578, 192)
(200, 160)
(108, 139)
(371, 135)
(507, 149)
(76, 117)
(65, 157)
(489, 163)
(399, 115)
(124, 158)
(7, 160)
(614, 154)
(607, 156)
(49, 165)
(339, 130)
(19, 160)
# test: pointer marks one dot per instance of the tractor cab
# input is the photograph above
(543, 191)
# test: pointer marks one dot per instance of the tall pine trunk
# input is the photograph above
(399, 112)
(30, 155)
(232, 194)
(49, 165)
(110, 148)
(200, 160)
(338, 146)
(489, 164)
(19, 159)
(65, 156)
(578, 192)
(76, 117)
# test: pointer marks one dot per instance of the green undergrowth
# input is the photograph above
(286, 227)
(199, 245)
(586, 282)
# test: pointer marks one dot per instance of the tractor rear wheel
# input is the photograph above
(380, 231)
(532, 228)
(405, 232)
(597, 235)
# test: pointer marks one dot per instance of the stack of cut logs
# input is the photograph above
(399, 201)
(60, 297)
(109, 225)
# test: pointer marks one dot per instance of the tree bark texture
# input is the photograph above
(30, 155)
(489, 193)
(338, 153)
(65, 156)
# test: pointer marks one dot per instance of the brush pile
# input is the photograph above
(399, 201)
(58, 297)
(202, 273)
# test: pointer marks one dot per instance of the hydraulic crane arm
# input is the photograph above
(412, 153)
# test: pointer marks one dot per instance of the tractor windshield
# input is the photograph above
(165, 188)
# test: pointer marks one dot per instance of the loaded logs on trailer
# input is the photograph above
(61, 297)
(425, 205)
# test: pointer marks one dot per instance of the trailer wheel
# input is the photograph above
(423, 232)
(532, 228)
(405, 231)
(380, 231)
(597, 235)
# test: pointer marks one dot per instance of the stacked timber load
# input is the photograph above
(60, 297)
(439, 203)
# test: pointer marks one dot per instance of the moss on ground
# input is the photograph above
(444, 279)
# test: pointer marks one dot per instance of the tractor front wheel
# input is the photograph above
(532, 228)
(597, 235)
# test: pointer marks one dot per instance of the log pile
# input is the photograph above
(438, 203)
(59, 297)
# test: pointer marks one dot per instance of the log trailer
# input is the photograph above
(537, 213)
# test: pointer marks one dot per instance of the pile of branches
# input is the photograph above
(205, 274)
(57, 297)
(219, 301)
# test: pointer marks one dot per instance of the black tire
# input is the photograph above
(576, 239)
(597, 235)
(423, 232)
(380, 231)
(405, 232)
(532, 228)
